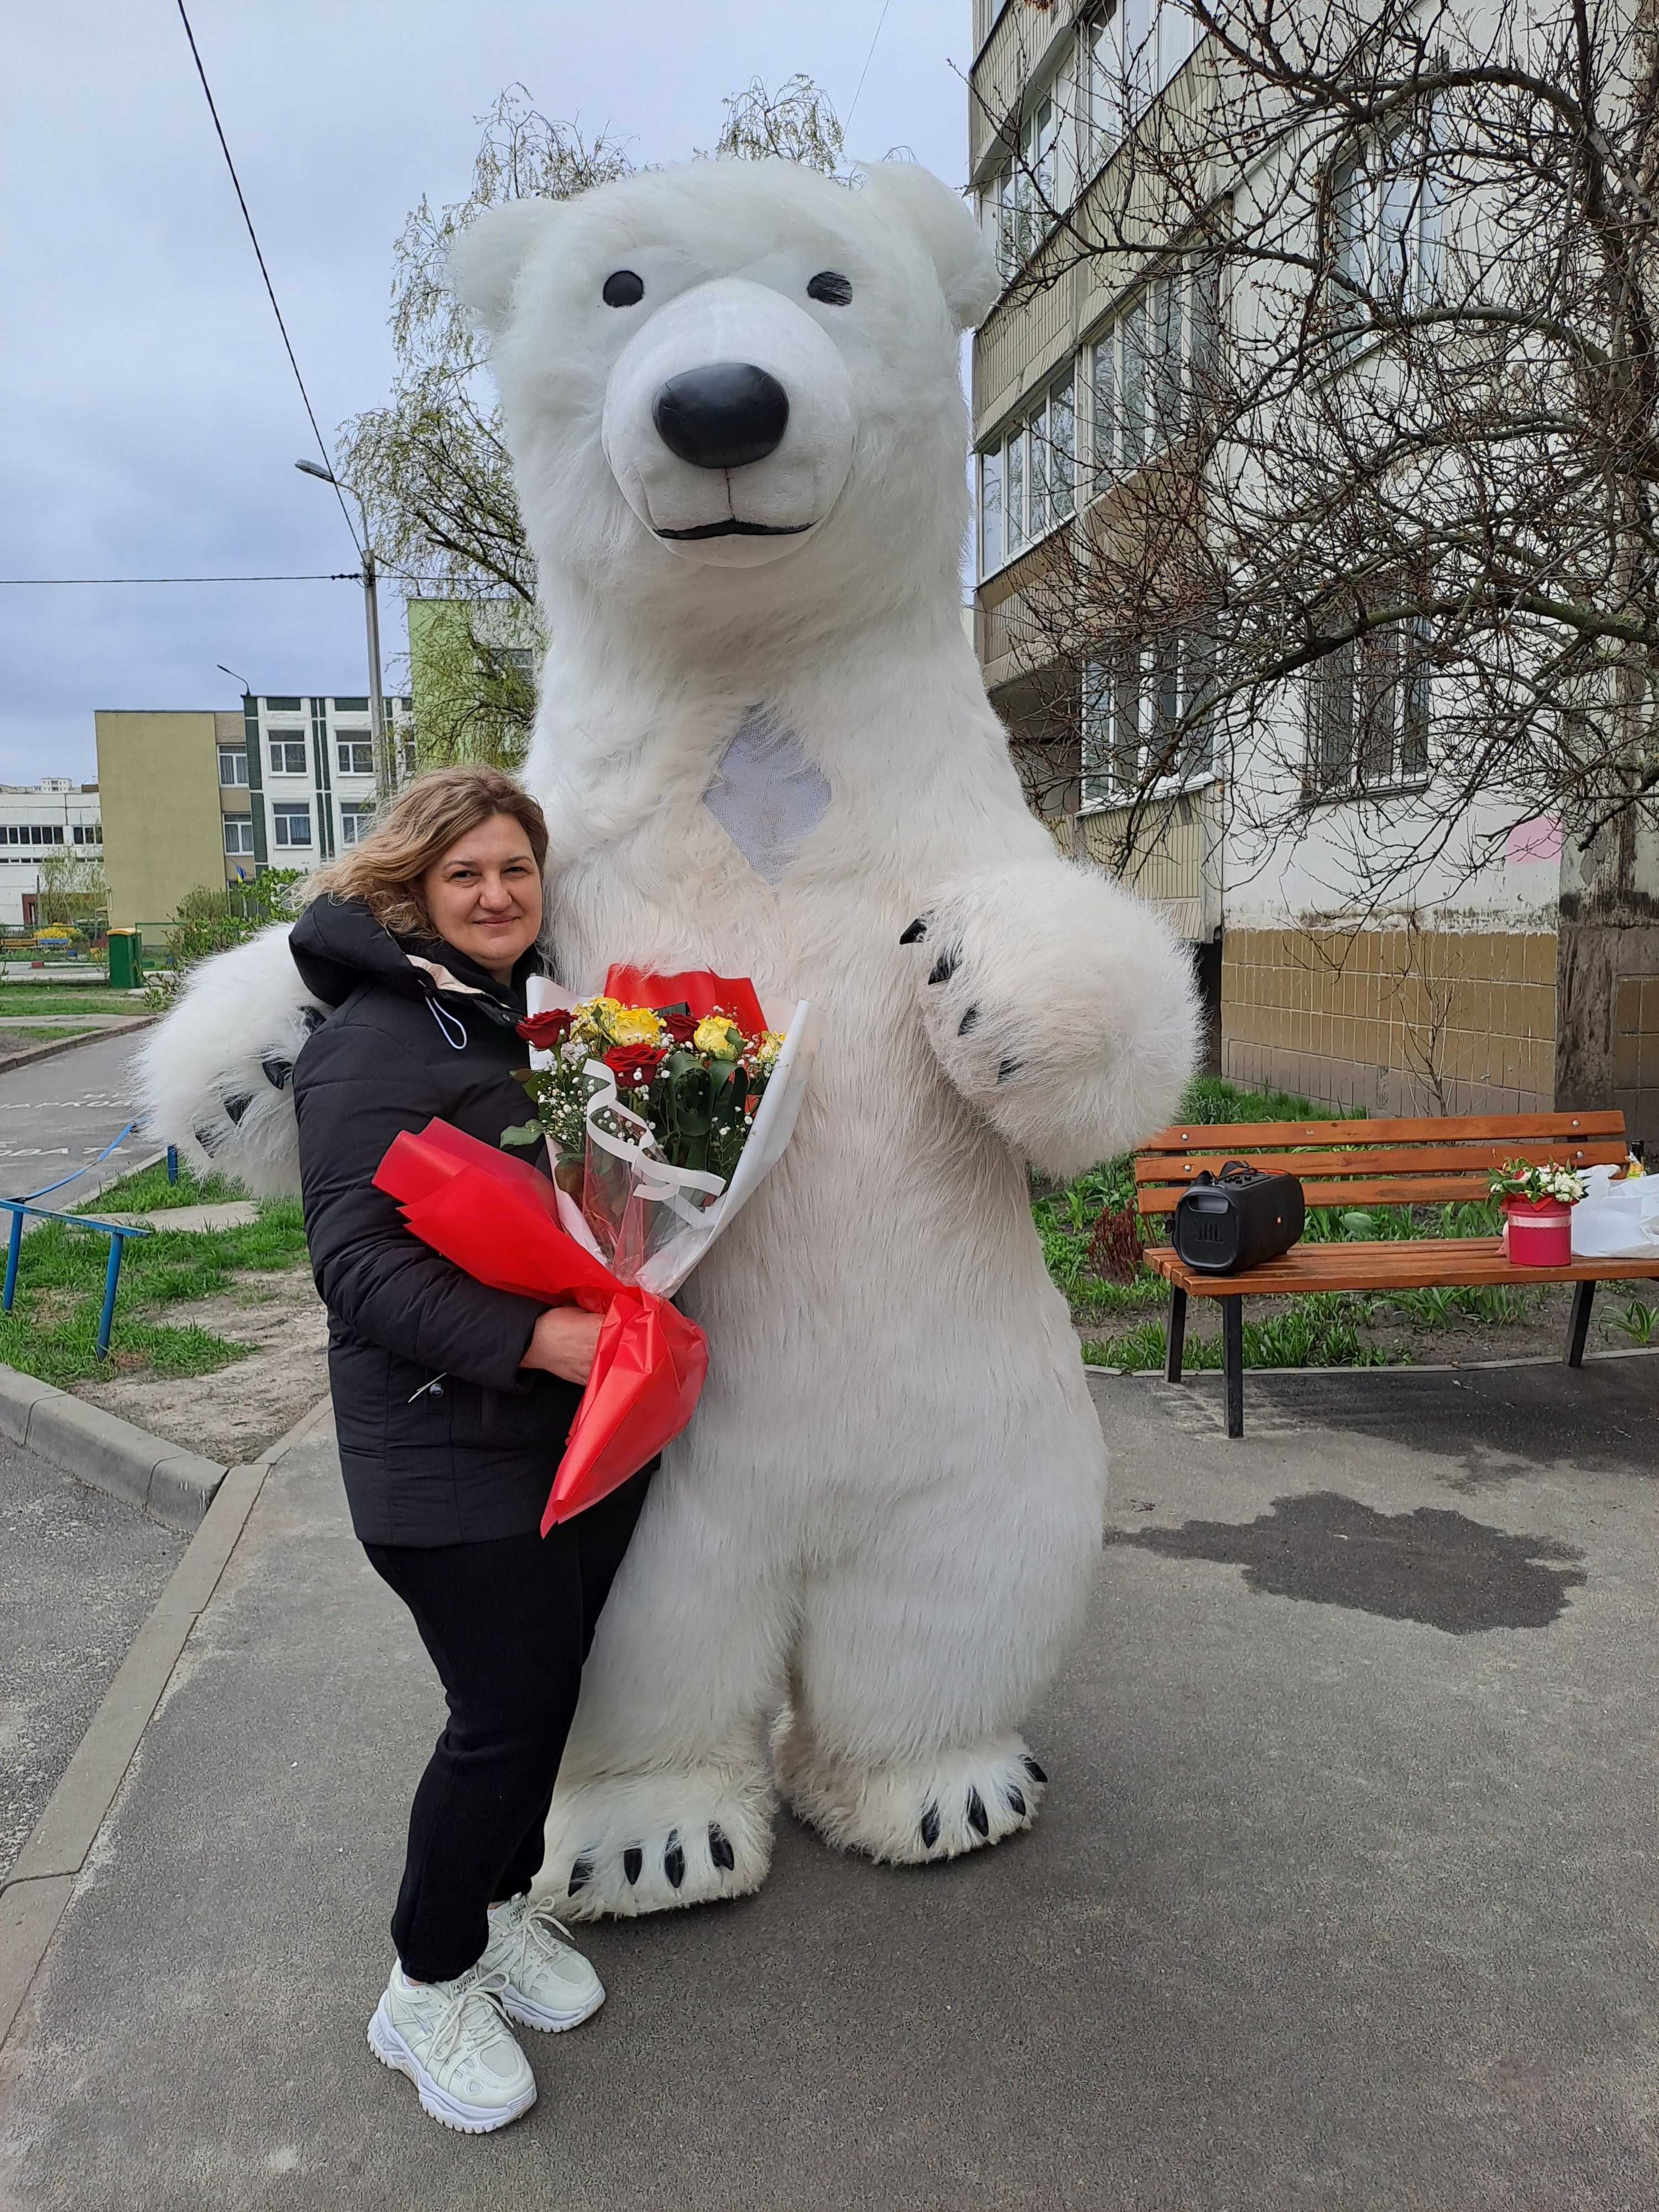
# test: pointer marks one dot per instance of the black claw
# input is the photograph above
(673, 1860)
(1017, 1801)
(930, 1826)
(237, 1104)
(633, 1860)
(944, 967)
(276, 1072)
(970, 1020)
(719, 1847)
(917, 930)
(1034, 1769)
(978, 1819)
(1009, 1068)
(312, 1017)
(579, 1873)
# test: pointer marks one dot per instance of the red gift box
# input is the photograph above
(497, 1219)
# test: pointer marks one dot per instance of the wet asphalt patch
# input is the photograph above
(1433, 1566)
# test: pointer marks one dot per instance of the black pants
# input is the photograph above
(508, 1624)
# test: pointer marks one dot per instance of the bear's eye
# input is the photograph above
(623, 289)
(832, 288)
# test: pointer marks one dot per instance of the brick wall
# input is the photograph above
(1396, 1021)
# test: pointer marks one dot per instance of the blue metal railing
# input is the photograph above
(117, 1231)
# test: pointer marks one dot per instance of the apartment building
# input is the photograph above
(195, 797)
(1502, 993)
(41, 822)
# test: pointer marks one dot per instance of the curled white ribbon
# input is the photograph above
(659, 1179)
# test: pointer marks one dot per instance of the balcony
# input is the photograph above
(1167, 849)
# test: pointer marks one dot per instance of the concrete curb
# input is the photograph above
(50, 1051)
(39, 1888)
(171, 1484)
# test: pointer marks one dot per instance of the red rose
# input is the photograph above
(635, 1064)
(546, 1030)
(682, 1028)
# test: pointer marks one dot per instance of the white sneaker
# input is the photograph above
(547, 1983)
(452, 2041)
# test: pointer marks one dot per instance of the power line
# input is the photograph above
(863, 73)
(336, 576)
(271, 288)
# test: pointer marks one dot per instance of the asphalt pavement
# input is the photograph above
(1342, 1900)
(58, 1114)
(82, 1571)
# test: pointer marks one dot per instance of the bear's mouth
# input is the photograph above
(732, 528)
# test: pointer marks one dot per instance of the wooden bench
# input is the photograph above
(1360, 1165)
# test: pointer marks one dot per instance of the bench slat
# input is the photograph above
(1393, 1190)
(1439, 1130)
(1414, 1263)
(1478, 1157)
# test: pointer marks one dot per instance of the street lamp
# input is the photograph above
(247, 688)
(385, 777)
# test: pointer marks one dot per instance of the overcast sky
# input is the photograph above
(148, 421)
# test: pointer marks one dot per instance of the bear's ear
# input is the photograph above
(485, 258)
(909, 195)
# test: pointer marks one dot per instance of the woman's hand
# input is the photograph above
(563, 1343)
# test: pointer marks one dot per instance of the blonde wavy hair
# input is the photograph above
(418, 827)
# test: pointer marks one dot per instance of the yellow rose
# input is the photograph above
(717, 1038)
(634, 1025)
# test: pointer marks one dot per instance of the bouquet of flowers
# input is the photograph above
(1537, 1185)
(662, 1101)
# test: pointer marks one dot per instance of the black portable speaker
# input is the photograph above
(1225, 1223)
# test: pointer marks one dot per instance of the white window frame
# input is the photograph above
(281, 740)
(1129, 712)
(283, 814)
(347, 746)
(1385, 214)
(356, 819)
(1034, 467)
(241, 825)
(1370, 715)
(234, 758)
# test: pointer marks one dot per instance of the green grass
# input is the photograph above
(92, 997)
(18, 1040)
(1317, 1331)
(52, 1331)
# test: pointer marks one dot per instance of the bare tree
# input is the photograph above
(1368, 508)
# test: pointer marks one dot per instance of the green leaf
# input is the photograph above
(526, 1132)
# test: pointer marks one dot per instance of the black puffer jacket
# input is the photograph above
(443, 1440)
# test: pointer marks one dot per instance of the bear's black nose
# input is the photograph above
(722, 416)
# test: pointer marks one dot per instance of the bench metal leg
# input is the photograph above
(1232, 1352)
(1176, 1334)
(1583, 1297)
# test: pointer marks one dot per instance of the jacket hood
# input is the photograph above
(338, 946)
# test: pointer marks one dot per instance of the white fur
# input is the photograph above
(236, 1013)
(886, 1511)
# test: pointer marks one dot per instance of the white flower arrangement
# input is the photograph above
(1538, 1185)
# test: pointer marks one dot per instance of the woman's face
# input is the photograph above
(485, 895)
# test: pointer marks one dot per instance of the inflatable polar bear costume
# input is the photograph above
(763, 746)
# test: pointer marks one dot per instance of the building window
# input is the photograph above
(292, 824)
(352, 706)
(232, 766)
(1385, 220)
(1367, 713)
(356, 820)
(1146, 724)
(355, 753)
(1151, 371)
(288, 756)
(1015, 204)
(285, 706)
(239, 833)
(88, 833)
(1028, 480)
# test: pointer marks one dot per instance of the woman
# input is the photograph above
(451, 1402)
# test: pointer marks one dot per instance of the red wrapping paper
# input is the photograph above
(700, 989)
(497, 1219)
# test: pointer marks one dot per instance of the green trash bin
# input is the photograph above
(126, 960)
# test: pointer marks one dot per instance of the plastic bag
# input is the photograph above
(1617, 1220)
